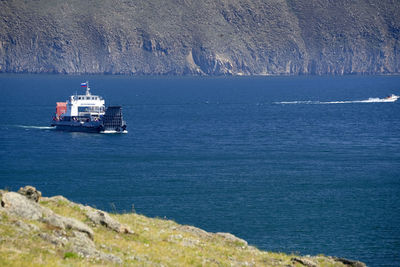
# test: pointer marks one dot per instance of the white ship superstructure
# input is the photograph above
(88, 113)
(85, 105)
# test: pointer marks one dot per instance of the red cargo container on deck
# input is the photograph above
(61, 108)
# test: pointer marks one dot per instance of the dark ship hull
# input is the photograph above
(111, 122)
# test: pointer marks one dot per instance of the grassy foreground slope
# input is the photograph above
(57, 232)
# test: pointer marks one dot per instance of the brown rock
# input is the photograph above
(30, 192)
(305, 262)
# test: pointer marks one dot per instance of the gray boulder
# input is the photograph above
(304, 261)
(85, 247)
(349, 262)
(20, 206)
(103, 218)
(231, 238)
(74, 224)
(78, 243)
(26, 227)
(82, 245)
(68, 223)
(194, 230)
(56, 239)
(55, 221)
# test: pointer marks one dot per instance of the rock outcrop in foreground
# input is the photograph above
(207, 37)
(41, 231)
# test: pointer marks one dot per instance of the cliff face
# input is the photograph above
(211, 37)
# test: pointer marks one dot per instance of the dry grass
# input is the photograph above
(154, 242)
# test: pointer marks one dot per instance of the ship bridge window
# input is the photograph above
(90, 109)
(83, 109)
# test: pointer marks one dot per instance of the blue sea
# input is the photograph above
(309, 165)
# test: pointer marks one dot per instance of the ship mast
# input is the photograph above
(87, 88)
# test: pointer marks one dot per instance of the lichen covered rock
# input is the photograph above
(30, 192)
(103, 218)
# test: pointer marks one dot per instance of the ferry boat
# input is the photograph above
(87, 113)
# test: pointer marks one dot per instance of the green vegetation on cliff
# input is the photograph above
(36, 231)
(208, 37)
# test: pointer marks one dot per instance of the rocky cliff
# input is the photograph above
(41, 231)
(208, 37)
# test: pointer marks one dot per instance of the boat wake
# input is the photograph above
(388, 99)
(114, 132)
(36, 127)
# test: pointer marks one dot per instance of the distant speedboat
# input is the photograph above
(391, 98)
(87, 113)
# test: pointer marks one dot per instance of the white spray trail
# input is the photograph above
(35, 127)
(388, 99)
